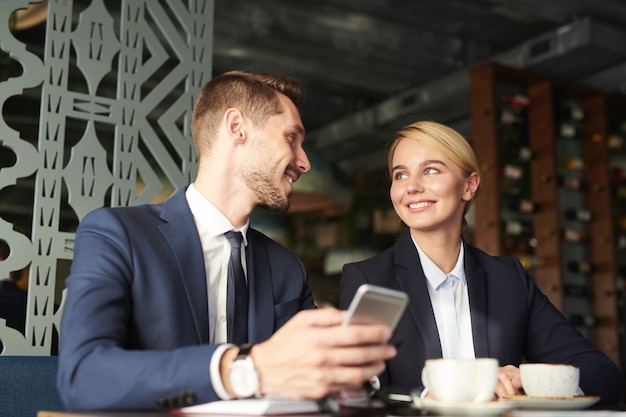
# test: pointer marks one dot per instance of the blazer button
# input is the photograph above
(164, 402)
(190, 397)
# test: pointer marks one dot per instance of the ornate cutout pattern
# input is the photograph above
(126, 80)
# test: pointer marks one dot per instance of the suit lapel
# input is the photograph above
(477, 291)
(411, 279)
(260, 316)
(181, 234)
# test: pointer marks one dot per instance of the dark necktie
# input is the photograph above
(237, 293)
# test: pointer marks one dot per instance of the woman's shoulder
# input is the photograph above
(373, 263)
(483, 258)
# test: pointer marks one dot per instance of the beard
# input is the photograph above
(261, 180)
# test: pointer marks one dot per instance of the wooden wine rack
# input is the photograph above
(542, 117)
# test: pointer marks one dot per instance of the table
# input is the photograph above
(104, 414)
(44, 413)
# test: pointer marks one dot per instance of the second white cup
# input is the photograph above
(549, 379)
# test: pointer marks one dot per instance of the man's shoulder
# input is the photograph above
(139, 211)
(257, 237)
(175, 206)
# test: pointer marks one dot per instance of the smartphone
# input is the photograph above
(374, 304)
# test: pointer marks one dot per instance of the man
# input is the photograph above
(146, 320)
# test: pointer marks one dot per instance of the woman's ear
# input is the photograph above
(472, 181)
(234, 122)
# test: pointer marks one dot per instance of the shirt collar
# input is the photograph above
(434, 274)
(205, 213)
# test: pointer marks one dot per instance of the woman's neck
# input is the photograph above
(442, 249)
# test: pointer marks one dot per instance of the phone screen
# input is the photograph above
(374, 304)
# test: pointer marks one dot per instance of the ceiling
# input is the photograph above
(370, 66)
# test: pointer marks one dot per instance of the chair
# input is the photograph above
(27, 385)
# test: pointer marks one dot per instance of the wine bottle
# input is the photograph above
(515, 101)
(621, 223)
(619, 191)
(586, 320)
(513, 133)
(518, 153)
(618, 173)
(573, 163)
(575, 290)
(516, 228)
(621, 241)
(569, 130)
(571, 182)
(571, 110)
(515, 244)
(508, 117)
(512, 172)
(617, 134)
(580, 215)
(574, 236)
(529, 261)
(580, 267)
(615, 141)
(520, 205)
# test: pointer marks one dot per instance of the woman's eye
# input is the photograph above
(429, 171)
(401, 176)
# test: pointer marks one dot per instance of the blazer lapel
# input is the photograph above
(477, 291)
(261, 312)
(411, 279)
(182, 236)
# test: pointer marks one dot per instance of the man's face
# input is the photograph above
(277, 158)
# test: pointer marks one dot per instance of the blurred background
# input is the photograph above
(369, 67)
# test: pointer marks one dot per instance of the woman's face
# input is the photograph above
(428, 190)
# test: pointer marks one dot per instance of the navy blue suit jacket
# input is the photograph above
(511, 319)
(135, 327)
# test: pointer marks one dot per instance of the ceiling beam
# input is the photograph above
(609, 78)
(433, 100)
(334, 44)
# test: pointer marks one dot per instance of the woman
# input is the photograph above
(497, 311)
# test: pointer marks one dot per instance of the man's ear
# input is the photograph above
(234, 122)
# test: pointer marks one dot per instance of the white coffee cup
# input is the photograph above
(549, 379)
(461, 379)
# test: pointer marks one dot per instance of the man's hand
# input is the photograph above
(312, 355)
(509, 381)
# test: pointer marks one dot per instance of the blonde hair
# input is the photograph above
(445, 140)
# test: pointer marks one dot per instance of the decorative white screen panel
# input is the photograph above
(115, 83)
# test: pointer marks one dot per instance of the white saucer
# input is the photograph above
(467, 408)
(552, 403)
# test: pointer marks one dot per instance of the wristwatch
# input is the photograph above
(242, 375)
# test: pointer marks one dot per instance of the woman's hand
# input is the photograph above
(509, 381)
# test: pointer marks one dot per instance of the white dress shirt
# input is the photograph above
(434, 277)
(212, 225)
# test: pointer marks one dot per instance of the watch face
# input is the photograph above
(243, 378)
